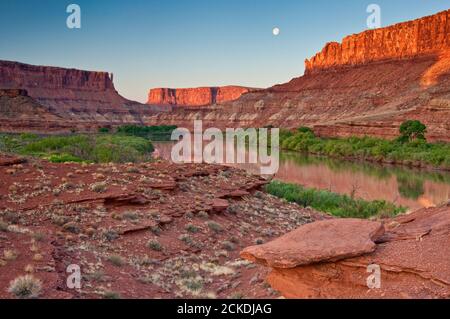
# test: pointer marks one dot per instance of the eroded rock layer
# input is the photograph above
(51, 99)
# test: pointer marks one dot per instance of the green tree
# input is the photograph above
(412, 130)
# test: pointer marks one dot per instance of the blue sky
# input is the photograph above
(188, 43)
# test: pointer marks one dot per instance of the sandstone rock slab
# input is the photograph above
(323, 241)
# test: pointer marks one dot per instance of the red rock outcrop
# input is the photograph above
(50, 99)
(328, 240)
(367, 86)
(64, 90)
(196, 97)
(413, 256)
(156, 218)
(423, 36)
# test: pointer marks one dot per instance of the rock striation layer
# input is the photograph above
(196, 97)
(52, 99)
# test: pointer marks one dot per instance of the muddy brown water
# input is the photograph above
(411, 188)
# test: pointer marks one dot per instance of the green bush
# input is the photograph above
(333, 203)
(369, 148)
(159, 133)
(412, 130)
(103, 148)
(104, 130)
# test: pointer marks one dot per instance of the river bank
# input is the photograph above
(416, 154)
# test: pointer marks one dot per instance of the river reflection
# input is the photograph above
(411, 188)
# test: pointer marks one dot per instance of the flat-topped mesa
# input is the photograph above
(424, 36)
(196, 97)
(65, 91)
(19, 75)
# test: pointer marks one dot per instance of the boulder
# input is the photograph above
(323, 241)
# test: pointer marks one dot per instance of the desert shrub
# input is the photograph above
(215, 227)
(156, 133)
(104, 130)
(25, 287)
(111, 295)
(116, 260)
(3, 226)
(154, 245)
(192, 228)
(305, 129)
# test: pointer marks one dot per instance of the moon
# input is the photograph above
(276, 31)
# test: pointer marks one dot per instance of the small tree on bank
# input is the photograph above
(412, 130)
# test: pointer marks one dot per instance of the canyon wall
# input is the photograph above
(63, 90)
(404, 40)
(56, 99)
(195, 97)
(368, 85)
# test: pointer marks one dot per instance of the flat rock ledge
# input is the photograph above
(329, 240)
(339, 258)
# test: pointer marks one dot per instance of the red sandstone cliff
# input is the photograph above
(63, 89)
(423, 36)
(368, 85)
(46, 99)
(196, 97)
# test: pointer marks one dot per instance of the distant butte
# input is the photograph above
(196, 97)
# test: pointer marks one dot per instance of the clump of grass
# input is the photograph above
(116, 260)
(38, 236)
(99, 187)
(130, 216)
(215, 227)
(154, 245)
(228, 245)
(98, 276)
(3, 226)
(259, 241)
(72, 227)
(156, 230)
(111, 235)
(333, 203)
(192, 228)
(237, 295)
(25, 287)
(10, 254)
(186, 239)
(111, 295)
(203, 215)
